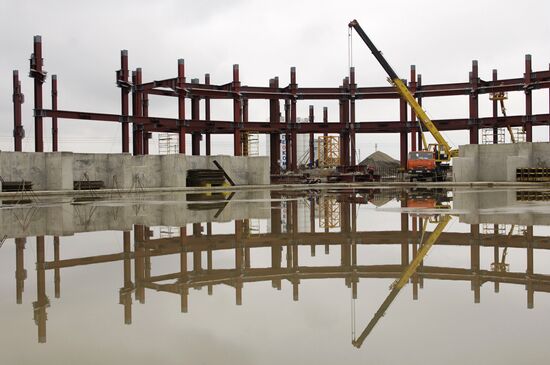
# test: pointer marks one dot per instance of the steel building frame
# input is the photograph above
(348, 93)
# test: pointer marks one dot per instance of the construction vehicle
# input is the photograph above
(398, 284)
(432, 162)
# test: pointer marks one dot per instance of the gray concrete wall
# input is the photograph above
(498, 162)
(58, 170)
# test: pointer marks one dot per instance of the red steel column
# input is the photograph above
(237, 141)
(207, 115)
(403, 135)
(528, 100)
(287, 154)
(274, 137)
(353, 88)
(124, 90)
(18, 99)
(293, 126)
(412, 88)
(145, 113)
(495, 110)
(181, 104)
(474, 105)
(325, 119)
(54, 108)
(245, 120)
(311, 138)
(195, 115)
(39, 76)
(344, 117)
(138, 128)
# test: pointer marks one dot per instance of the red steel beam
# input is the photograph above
(218, 126)
(18, 99)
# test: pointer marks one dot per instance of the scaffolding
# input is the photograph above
(328, 148)
(498, 135)
(251, 144)
(168, 143)
(329, 212)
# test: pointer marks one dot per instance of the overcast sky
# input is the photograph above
(82, 43)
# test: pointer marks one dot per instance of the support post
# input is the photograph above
(122, 82)
(137, 112)
(528, 100)
(181, 105)
(207, 116)
(474, 104)
(54, 108)
(275, 137)
(237, 117)
(403, 135)
(39, 76)
(195, 116)
(18, 99)
(145, 113)
(293, 126)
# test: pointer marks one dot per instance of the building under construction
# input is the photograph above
(332, 141)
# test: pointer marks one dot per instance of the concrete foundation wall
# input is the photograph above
(58, 170)
(498, 162)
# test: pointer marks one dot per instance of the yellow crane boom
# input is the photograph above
(404, 92)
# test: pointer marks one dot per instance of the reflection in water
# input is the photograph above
(327, 220)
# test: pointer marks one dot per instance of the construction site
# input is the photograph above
(315, 215)
(327, 147)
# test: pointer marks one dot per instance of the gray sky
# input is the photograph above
(82, 43)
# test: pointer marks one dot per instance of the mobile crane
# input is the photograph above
(432, 162)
